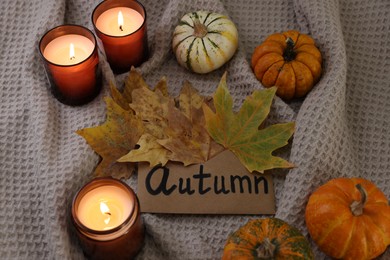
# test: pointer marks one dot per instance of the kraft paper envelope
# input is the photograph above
(221, 185)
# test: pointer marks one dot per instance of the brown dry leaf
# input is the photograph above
(113, 139)
(118, 97)
(187, 140)
(180, 130)
(162, 87)
(135, 81)
(152, 107)
(189, 99)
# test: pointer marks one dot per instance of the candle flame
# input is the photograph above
(105, 211)
(71, 51)
(120, 20)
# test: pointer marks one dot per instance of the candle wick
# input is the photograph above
(72, 58)
(120, 28)
(108, 213)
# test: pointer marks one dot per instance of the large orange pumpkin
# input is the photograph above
(290, 61)
(349, 218)
(268, 238)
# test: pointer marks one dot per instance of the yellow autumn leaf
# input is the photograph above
(113, 139)
(135, 81)
(149, 150)
(152, 107)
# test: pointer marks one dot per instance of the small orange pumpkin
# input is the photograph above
(290, 61)
(269, 238)
(349, 218)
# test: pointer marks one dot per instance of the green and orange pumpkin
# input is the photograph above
(269, 238)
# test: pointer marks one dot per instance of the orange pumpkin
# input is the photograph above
(269, 238)
(290, 61)
(349, 218)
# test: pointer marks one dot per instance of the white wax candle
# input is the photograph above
(58, 51)
(108, 23)
(104, 207)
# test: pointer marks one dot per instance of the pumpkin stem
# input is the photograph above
(200, 30)
(289, 53)
(357, 206)
(266, 250)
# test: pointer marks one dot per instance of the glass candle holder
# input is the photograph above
(121, 27)
(71, 62)
(106, 216)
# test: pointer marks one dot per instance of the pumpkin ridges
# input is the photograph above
(321, 221)
(180, 42)
(303, 39)
(215, 19)
(266, 62)
(332, 225)
(381, 214)
(277, 37)
(270, 76)
(382, 221)
(358, 248)
(285, 250)
(285, 82)
(303, 77)
(312, 64)
(207, 57)
(205, 19)
(267, 47)
(345, 247)
(314, 52)
(188, 58)
(227, 35)
(374, 235)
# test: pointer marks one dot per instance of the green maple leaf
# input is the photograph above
(239, 132)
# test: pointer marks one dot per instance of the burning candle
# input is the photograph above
(72, 64)
(62, 50)
(119, 21)
(121, 27)
(105, 207)
(106, 215)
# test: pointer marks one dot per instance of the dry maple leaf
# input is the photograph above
(135, 81)
(113, 139)
(239, 132)
(152, 107)
(186, 129)
(149, 150)
(187, 138)
(175, 130)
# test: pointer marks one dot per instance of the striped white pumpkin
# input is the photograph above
(204, 41)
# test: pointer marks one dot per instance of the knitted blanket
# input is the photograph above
(342, 126)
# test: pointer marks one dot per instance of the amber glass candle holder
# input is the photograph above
(124, 239)
(74, 80)
(122, 50)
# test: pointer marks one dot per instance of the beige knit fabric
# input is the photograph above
(343, 125)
